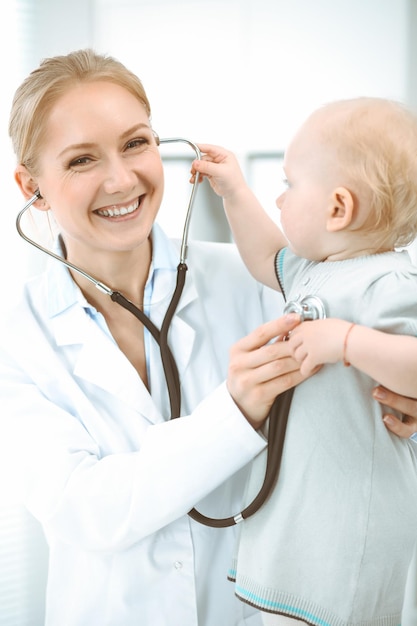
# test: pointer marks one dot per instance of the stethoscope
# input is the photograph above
(309, 307)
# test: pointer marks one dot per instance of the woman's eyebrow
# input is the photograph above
(77, 146)
(86, 145)
(134, 128)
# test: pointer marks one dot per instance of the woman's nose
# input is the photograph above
(119, 176)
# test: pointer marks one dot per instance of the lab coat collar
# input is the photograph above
(64, 293)
(68, 308)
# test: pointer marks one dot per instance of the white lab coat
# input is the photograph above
(97, 462)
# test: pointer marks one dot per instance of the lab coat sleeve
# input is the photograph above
(112, 502)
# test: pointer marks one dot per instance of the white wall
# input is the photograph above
(242, 73)
(246, 72)
(23, 24)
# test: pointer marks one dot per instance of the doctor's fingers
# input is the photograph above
(250, 372)
(273, 331)
(262, 363)
(254, 390)
(406, 406)
(256, 359)
(404, 429)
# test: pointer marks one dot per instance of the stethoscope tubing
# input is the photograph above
(99, 284)
(278, 419)
(280, 409)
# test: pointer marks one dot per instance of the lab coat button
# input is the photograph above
(178, 565)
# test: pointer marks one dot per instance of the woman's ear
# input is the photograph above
(28, 186)
(341, 210)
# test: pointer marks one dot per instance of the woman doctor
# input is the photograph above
(85, 410)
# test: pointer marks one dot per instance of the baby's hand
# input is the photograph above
(317, 342)
(221, 168)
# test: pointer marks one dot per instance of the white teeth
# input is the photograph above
(115, 212)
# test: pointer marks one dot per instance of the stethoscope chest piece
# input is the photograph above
(308, 308)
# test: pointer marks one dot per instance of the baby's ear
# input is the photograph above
(341, 207)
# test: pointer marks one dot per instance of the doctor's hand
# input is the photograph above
(404, 405)
(261, 367)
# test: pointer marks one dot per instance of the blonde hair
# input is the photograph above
(38, 93)
(376, 147)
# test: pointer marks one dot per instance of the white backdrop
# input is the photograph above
(242, 73)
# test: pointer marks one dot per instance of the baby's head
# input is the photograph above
(367, 146)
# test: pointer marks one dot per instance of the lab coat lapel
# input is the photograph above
(196, 363)
(193, 348)
(183, 331)
(100, 362)
(182, 326)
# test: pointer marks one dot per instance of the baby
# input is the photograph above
(332, 544)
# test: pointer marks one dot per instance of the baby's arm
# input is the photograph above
(391, 360)
(257, 236)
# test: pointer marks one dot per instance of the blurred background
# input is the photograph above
(240, 73)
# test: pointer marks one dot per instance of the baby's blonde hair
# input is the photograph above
(38, 93)
(376, 146)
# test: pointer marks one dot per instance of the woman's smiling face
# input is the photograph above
(100, 169)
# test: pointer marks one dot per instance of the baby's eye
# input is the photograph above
(283, 178)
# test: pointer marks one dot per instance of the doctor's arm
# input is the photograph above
(257, 236)
(111, 501)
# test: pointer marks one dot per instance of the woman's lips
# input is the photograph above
(120, 210)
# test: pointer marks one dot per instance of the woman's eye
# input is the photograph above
(79, 161)
(137, 143)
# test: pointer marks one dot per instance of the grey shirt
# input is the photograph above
(333, 542)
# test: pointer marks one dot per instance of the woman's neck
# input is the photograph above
(126, 272)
